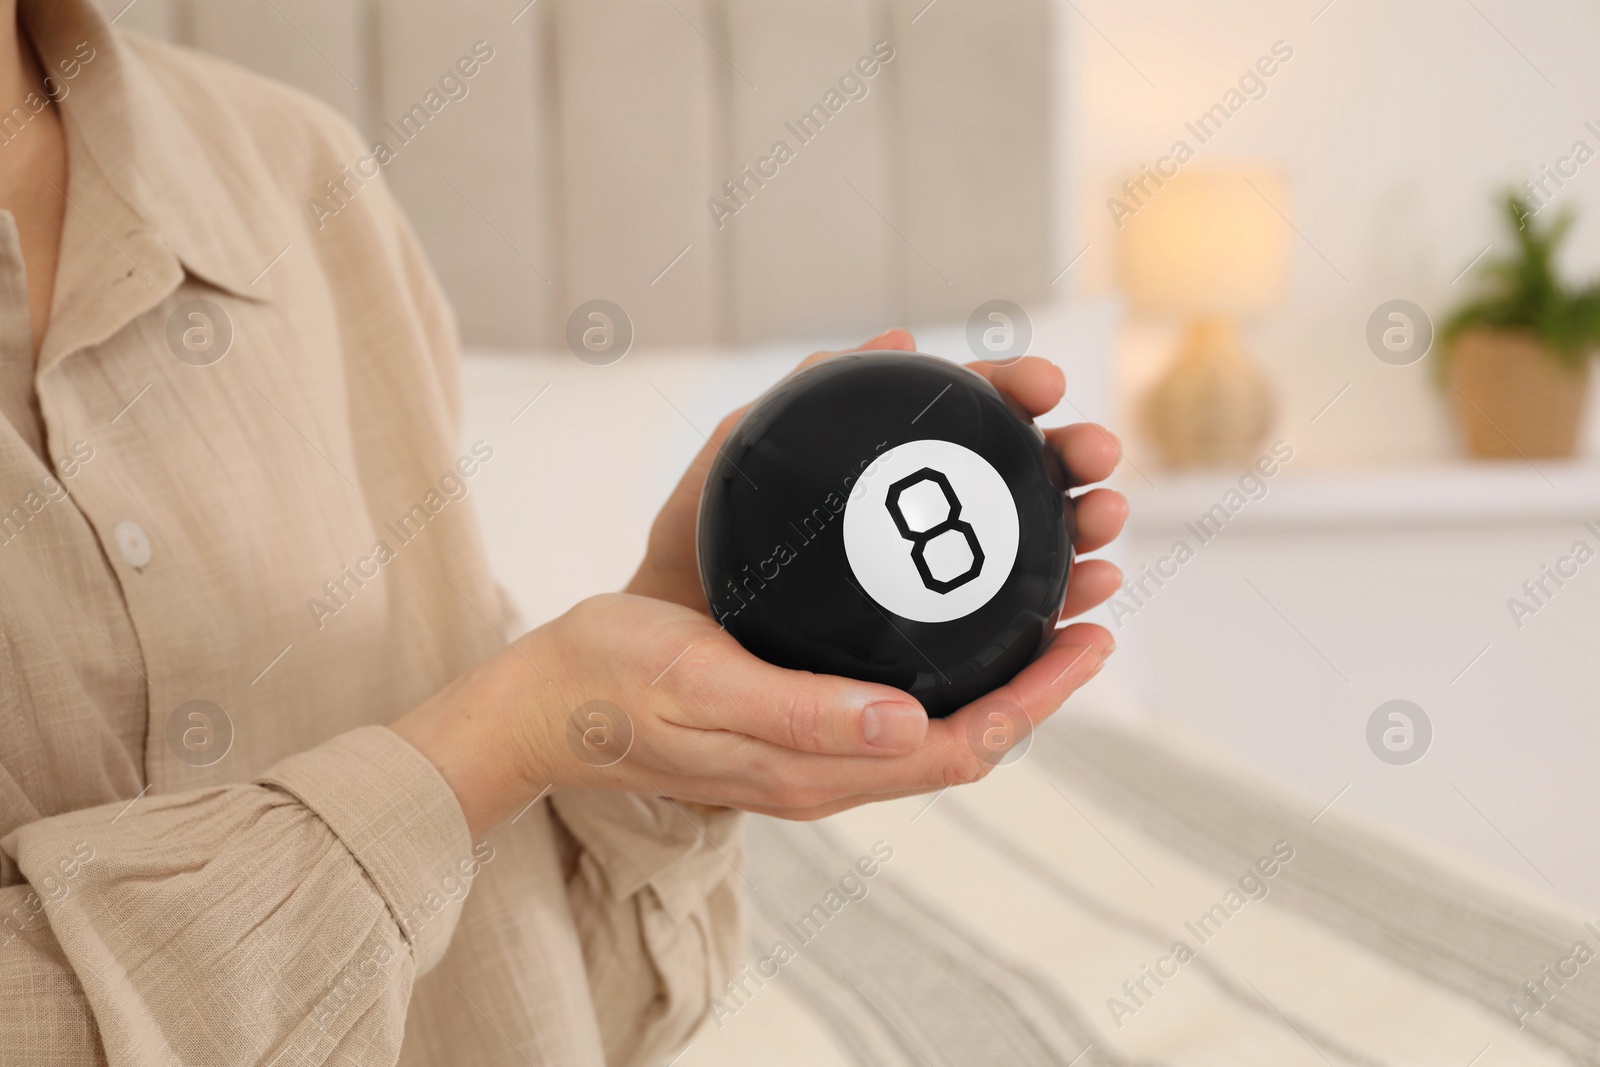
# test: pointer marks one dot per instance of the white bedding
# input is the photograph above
(1016, 920)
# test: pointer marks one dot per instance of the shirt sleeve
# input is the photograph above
(653, 885)
(655, 891)
(280, 921)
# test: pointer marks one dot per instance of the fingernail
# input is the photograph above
(1111, 646)
(1098, 667)
(896, 726)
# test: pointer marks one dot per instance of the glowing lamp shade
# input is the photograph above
(1209, 242)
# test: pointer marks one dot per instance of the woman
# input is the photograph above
(275, 785)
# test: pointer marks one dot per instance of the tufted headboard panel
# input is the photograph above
(725, 170)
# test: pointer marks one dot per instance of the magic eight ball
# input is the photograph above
(891, 517)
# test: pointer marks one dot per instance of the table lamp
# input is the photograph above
(1210, 246)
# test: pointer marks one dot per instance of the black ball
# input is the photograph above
(890, 517)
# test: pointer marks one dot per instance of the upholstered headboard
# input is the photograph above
(630, 150)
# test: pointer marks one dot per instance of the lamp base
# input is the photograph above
(1213, 405)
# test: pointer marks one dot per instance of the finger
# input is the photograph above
(973, 741)
(689, 791)
(1090, 452)
(1074, 655)
(723, 687)
(895, 340)
(762, 777)
(688, 487)
(1092, 583)
(1087, 633)
(725, 427)
(822, 811)
(772, 778)
(1099, 515)
(777, 774)
(955, 751)
(1035, 383)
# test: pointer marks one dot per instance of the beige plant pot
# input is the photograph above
(1512, 397)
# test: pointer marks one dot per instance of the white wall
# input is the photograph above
(1336, 593)
(1397, 123)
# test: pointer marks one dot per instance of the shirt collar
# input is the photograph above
(174, 188)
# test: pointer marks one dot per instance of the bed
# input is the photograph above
(1126, 898)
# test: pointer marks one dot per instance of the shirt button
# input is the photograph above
(132, 543)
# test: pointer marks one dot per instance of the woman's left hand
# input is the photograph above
(1089, 452)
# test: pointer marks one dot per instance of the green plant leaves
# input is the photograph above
(1524, 291)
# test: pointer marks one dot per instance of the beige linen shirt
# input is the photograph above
(233, 409)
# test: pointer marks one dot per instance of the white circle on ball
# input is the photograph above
(966, 546)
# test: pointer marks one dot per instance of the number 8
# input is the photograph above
(921, 538)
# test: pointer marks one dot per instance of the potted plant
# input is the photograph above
(1516, 358)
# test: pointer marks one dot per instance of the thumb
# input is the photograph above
(812, 713)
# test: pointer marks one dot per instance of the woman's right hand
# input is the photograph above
(640, 695)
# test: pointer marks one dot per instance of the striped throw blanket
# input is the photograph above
(1116, 898)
